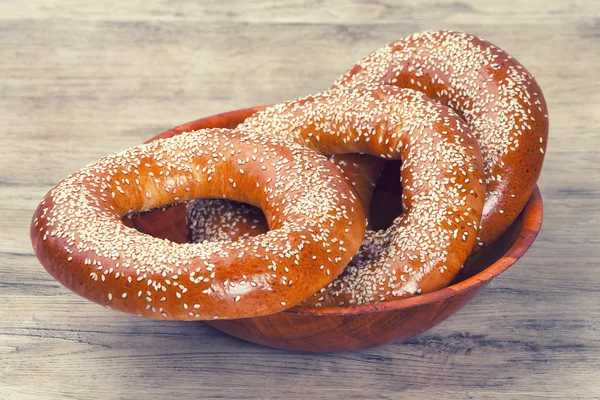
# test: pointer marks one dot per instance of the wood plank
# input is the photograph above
(81, 79)
(303, 12)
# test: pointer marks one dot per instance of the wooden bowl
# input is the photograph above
(357, 327)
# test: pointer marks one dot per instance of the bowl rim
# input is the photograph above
(532, 216)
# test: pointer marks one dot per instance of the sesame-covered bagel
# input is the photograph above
(493, 92)
(442, 184)
(313, 214)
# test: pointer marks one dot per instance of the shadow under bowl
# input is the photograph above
(356, 327)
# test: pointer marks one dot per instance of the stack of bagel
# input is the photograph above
(278, 206)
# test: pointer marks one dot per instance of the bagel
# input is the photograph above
(497, 97)
(79, 237)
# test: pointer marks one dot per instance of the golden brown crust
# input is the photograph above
(500, 100)
(78, 235)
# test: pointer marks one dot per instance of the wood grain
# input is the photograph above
(81, 79)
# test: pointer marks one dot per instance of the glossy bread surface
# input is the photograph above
(78, 236)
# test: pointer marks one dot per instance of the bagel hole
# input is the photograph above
(223, 220)
(167, 222)
(171, 221)
(386, 204)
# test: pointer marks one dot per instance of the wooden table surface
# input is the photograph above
(82, 79)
